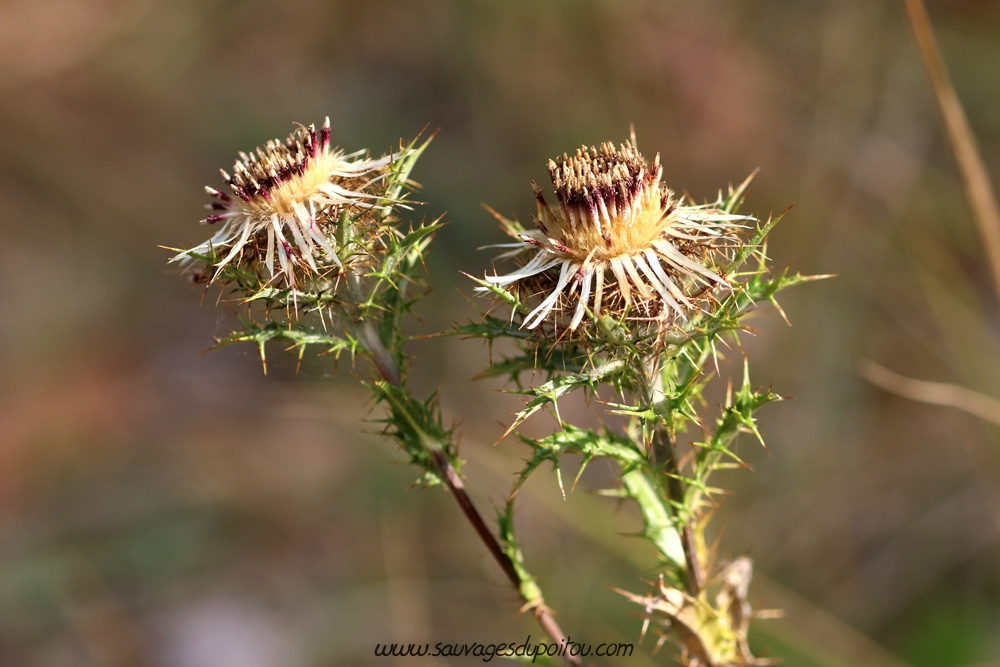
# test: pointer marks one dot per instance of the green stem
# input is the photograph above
(660, 526)
(379, 356)
(439, 451)
(430, 449)
(663, 452)
(694, 577)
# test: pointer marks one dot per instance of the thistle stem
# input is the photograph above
(663, 443)
(387, 368)
(659, 524)
(457, 488)
(664, 455)
(380, 357)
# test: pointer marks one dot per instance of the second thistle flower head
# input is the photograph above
(279, 220)
(617, 242)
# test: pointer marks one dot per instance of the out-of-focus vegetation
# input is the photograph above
(158, 507)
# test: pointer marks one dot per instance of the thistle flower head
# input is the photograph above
(286, 198)
(617, 242)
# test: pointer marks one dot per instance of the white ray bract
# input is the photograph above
(539, 314)
(250, 218)
(658, 272)
(581, 306)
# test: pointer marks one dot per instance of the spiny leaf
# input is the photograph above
(586, 442)
(297, 335)
(400, 169)
(549, 392)
(507, 296)
(490, 328)
(417, 427)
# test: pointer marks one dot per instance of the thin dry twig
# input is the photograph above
(978, 188)
(935, 393)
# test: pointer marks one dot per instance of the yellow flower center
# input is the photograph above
(284, 176)
(610, 203)
(286, 196)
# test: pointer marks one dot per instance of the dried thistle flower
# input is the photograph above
(618, 242)
(286, 201)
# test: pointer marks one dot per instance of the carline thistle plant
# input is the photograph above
(312, 244)
(622, 283)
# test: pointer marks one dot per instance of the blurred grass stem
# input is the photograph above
(935, 393)
(978, 188)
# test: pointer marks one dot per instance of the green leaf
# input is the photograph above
(416, 426)
(586, 442)
(400, 170)
(548, 393)
(297, 335)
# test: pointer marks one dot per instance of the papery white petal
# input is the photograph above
(543, 309)
(543, 261)
(623, 286)
(659, 287)
(654, 263)
(581, 306)
(640, 284)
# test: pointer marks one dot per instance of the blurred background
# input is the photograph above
(163, 507)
